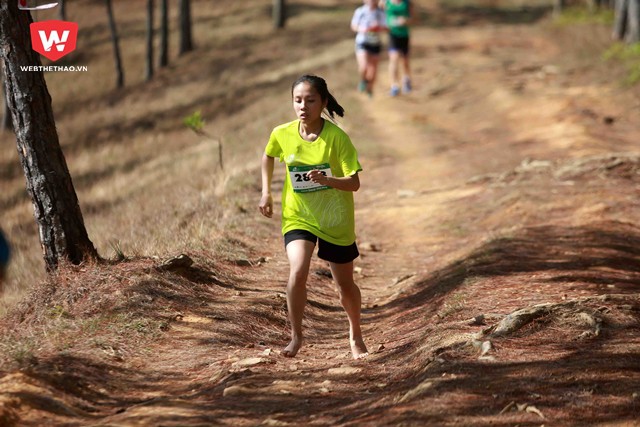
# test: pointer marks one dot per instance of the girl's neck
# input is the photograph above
(311, 131)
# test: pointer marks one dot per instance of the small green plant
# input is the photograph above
(58, 312)
(20, 352)
(127, 323)
(195, 122)
(91, 325)
(117, 249)
(634, 75)
(629, 56)
(582, 15)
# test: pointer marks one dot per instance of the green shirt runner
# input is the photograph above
(394, 11)
(326, 212)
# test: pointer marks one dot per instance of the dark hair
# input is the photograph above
(320, 85)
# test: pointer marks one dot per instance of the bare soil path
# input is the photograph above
(499, 184)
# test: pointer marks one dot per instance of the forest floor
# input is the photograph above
(500, 267)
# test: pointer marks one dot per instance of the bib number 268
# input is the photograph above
(300, 177)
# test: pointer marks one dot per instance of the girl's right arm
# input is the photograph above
(355, 21)
(266, 201)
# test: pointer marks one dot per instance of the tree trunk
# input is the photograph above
(279, 13)
(558, 6)
(116, 46)
(186, 41)
(63, 10)
(164, 33)
(149, 68)
(620, 20)
(626, 25)
(633, 22)
(6, 115)
(56, 209)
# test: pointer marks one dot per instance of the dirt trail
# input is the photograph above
(453, 223)
(469, 104)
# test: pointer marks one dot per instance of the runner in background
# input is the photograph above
(5, 254)
(317, 202)
(400, 15)
(368, 23)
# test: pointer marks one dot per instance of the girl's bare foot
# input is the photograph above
(358, 349)
(292, 349)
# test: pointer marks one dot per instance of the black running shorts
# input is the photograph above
(326, 251)
(399, 44)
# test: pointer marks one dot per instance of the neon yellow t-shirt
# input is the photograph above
(326, 212)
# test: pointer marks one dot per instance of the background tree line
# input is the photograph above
(61, 227)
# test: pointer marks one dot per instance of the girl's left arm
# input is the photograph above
(345, 183)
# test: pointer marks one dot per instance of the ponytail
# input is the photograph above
(320, 85)
(333, 106)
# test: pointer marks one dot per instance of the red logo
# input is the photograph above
(54, 39)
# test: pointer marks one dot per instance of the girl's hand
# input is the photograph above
(266, 205)
(400, 20)
(318, 177)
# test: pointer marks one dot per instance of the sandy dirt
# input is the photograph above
(497, 222)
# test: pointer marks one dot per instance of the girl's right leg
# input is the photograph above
(406, 85)
(299, 253)
(394, 57)
(361, 58)
(372, 70)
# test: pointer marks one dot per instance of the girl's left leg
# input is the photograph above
(394, 58)
(406, 85)
(372, 70)
(361, 59)
(351, 300)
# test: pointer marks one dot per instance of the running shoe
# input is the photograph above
(395, 91)
(406, 86)
(362, 86)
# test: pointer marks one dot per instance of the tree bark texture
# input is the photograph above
(186, 40)
(62, 9)
(149, 67)
(56, 209)
(6, 114)
(116, 46)
(164, 33)
(626, 25)
(633, 22)
(279, 13)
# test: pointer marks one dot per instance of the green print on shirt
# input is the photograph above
(328, 210)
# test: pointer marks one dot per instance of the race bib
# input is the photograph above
(301, 182)
(372, 38)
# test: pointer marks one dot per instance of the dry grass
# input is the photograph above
(146, 183)
(514, 236)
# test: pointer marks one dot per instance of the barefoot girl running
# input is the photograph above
(317, 202)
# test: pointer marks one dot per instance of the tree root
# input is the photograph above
(574, 309)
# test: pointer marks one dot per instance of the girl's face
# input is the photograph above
(307, 103)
